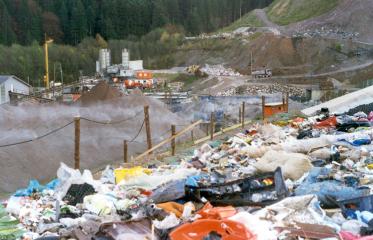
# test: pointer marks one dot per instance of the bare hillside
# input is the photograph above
(349, 17)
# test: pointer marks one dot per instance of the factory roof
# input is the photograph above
(4, 78)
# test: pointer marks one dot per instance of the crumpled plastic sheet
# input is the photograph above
(332, 188)
(302, 209)
(262, 229)
(169, 222)
(150, 182)
(169, 191)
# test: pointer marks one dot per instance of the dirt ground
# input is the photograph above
(350, 15)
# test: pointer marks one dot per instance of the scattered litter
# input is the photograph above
(296, 178)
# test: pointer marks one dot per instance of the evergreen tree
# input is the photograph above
(7, 35)
(78, 22)
(25, 21)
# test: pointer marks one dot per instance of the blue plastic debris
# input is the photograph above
(323, 188)
(192, 181)
(35, 186)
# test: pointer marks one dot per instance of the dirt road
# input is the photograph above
(342, 70)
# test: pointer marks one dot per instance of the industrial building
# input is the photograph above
(129, 74)
(10, 83)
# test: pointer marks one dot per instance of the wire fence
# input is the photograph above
(39, 137)
(111, 122)
(71, 122)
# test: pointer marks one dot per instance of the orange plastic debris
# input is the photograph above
(229, 230)
(173, 207)
(330, 122)
(210, 212)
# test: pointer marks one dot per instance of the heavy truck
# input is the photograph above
(263, 73)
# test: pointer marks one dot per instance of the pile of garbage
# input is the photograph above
(219, 70)
(296, 178)
(264, 89)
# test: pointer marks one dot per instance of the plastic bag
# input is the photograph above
(69, 176)
(169, 222)
(99, 204)
(35, 186)
(262, 229)
(108, 175)
(293, 165)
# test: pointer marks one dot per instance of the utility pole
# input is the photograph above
(46, 77)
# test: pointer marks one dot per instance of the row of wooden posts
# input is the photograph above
(210, 131)
(125, 142)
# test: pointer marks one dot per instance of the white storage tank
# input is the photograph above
(108, 58)
(102, 59)
(125, 58)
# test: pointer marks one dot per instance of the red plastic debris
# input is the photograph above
(330, 122)
(229, 230)
(210, 212)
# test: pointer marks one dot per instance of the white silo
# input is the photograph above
(102, 59)
(125, 58)
(108, 58)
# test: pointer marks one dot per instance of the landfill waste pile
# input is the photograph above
(264, 89)
(219, 70)
(295, 178)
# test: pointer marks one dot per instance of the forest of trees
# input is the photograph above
(70, 21)
(151, 29)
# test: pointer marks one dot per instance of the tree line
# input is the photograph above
(71, 21)
(27, 62)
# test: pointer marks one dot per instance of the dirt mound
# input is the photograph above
(101, 144)
(101, 92)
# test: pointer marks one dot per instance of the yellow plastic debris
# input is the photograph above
(127, 173)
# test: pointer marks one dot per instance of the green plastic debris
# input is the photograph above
(9, 229)
(215, 144)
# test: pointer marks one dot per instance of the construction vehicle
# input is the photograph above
(264, 73)
(196, 70)
(140, 79)
(139, 83)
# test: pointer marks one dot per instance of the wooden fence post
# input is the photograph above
(147, 126)
(263, 107)
(212, 126)
(77, 143)
(125, 151)
(173, 142)
(192, 133)
(240, 114)
(287, 102)
(243, 115)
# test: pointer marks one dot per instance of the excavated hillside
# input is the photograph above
(350, 16)
(286, 56)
